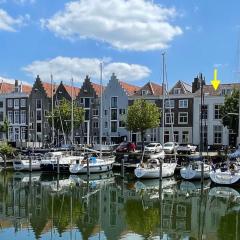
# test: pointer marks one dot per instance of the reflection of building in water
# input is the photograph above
(114, 210)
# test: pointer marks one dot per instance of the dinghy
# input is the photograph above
(228, 177)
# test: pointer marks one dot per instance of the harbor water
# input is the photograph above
(105, 206)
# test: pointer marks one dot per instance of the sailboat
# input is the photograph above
(94, 164)
(197, 168)
(156, 168)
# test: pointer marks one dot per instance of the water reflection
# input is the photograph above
(40, 206)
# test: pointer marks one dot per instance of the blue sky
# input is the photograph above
(44, 37)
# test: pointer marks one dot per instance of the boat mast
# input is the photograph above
(100, 123)
(52, 110)
(72, 137)
(163, 99)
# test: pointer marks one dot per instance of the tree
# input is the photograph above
(4, 127)
(62, 116)
(230, 110)
(142, 115)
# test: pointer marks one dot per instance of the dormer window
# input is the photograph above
(226, 91)
(85, 90)
(144, 92)
(177, 91)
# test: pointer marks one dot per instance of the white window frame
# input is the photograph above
(10, 103)
(23, 113)
(111, 102)
(214, 132)
(185, 131)
(10, 118)
(181, 103)
(95, 112)
(23, 102)
(16, 119)
(214, 116)
(144, 92)
(41, 103)
(168, 103)
(166, 116)
(16, 103)
(179, 117)
(177, 91)
(23, 132)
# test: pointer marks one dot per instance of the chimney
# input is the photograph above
(196, 84)
(16, 87)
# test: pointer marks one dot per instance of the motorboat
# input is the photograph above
(194, 171)
(26, 164)
(51, 160)
(96, 165)
(152, 169)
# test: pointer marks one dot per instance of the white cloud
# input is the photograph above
(24, 1)
(10, 24)
(125, 24)
(63, 68)
(11, 80)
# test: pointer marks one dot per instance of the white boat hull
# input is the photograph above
(225, 178)
(93, 167)
(189, 173)
(167, 171)
(24, 165)
(159, 155)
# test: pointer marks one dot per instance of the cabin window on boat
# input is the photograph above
(185, 137)
(217, 133)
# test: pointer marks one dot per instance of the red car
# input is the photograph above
(126, 147)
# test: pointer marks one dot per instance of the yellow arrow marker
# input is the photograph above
(215, 82)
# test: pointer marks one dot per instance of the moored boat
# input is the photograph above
(27, 164)
(228, 177)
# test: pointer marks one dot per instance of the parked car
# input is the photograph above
(153, 147)
(126, 147)
(186, 148)
(168, 147)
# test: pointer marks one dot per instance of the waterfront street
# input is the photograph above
(40, 206)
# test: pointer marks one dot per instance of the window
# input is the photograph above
(45, 113)
(144, 92)
(23, 133)
(217, 114)
(177, 91)
(10, 103)
(166, 136)
(23, 102)
(217, 133)
(113, 114)
(183, 118)
(169, 103)
(87, 103)
(176, 136)
(1, 116)
(95, 124)
(226, 91)
(38, 103)
(23, 116)
(16, 103)
(10, 116)
(10, 134)
(205, 135)
(95, 112)
(183, 103)
(81, 100)
(114, 102)
(45, 124)
(114, 126)
(87, 117)
(185, 137)
(105, 112)
(39, 115)
(16, 117)
(204, 111)
(153, 135)
(17, 134)
(122, 111)
(39, 127)
(169, 118)
(122, 124)
(1, 104)
(106, 124)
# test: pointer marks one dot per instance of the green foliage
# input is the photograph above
(142, 115)
(231, 106)
(4, 126)
(63, 112)
(6, 149)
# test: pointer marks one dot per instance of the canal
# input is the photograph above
(41, 206)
